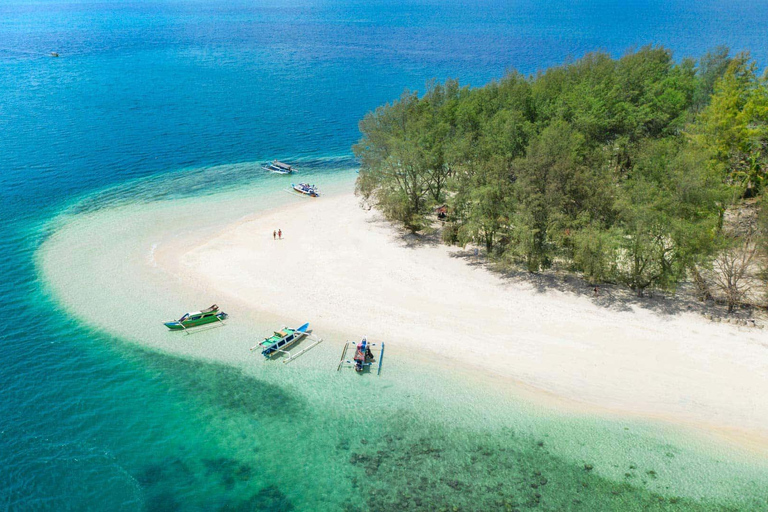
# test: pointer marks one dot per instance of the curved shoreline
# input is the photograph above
(358, 275)
(358, 272)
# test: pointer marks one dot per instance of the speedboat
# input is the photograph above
(197, 318)
(278, 167)
(307, 189)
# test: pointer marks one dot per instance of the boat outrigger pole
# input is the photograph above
(291, 357)
(343, 353)
(363, 357)
(381, 359)
(281, 340)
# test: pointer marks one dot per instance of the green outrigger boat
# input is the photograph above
(197, 318)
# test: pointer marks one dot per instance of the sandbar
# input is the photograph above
(343, 267)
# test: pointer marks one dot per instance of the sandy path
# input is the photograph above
(341, 267)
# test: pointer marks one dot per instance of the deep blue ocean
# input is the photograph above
(151, 87)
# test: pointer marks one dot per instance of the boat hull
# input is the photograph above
(277, 171)
(191, 323)
(278, 167)
(284, 342)
(306, 192)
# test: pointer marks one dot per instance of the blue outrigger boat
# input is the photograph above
(282, 340)
(363, 358)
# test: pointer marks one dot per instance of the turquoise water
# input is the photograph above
(151, 101)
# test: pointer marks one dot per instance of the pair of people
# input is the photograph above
(277, 234)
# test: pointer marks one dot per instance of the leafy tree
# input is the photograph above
(668, 215)
(618, 168)
(485, 201)
(596, 252)
(394, 166)
(712, 66)
(734, 127)
(552, 187)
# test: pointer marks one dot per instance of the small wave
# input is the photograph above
(151, 255)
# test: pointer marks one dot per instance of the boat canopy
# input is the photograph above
(197, 318)
(211, 309)
(282, 165)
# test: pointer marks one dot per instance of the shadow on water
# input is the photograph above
(403, 461)
(233, 478)
(226, 387)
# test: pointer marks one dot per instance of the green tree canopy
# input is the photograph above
(618, 168)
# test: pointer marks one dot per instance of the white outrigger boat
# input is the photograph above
(363, 357)
(306, 189)
(282, 340)
(278, 167)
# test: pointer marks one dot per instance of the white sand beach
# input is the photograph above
(348, 271)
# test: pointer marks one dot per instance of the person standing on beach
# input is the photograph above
(274, 235)
(280, 234)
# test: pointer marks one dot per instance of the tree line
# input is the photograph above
(621, 169)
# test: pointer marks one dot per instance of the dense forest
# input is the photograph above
(621, 169)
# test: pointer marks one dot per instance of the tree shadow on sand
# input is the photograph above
(610, 296)
(404, 238)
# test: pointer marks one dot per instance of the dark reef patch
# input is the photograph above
(268, 499)
(483, 472)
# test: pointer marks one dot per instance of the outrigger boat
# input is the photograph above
(278, 167)
(282, 340)
(198, 318)
(307, 189)
(363, 357)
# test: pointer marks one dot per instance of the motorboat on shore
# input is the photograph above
(197, 318)
(279, 167)
(306, 189)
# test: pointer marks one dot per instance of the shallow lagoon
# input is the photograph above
(265, 435)
(163, 88)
